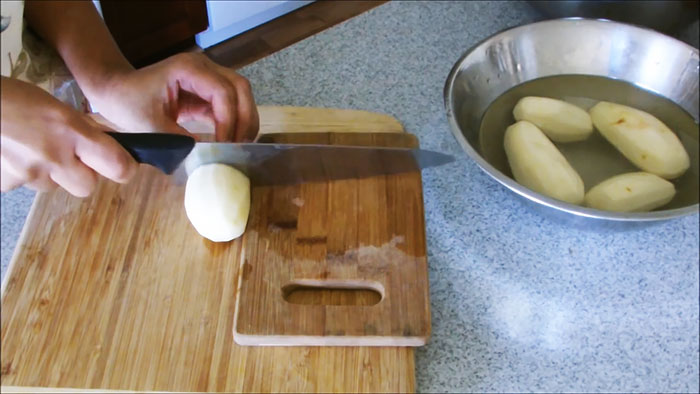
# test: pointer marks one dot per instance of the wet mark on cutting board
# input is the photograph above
(282, 225)
(311, 240)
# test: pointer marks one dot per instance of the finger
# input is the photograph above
(197, 113)
(214, 88)
(167, 125)
(191, 107)
(42, 184)
(103, 154)
(97, 125)
(9, 180)
(247, 120)
(247, 123)
(76, 178)
(15, 174)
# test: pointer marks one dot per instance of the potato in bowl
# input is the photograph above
(581, 62)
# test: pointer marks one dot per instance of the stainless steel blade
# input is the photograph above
(286, 164)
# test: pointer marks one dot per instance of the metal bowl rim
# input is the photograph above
(531, 194)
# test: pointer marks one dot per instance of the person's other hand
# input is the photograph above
(184, 87)
(45, 143)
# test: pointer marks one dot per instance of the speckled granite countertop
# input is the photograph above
(519, 303)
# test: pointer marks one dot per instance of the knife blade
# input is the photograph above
(275, 164)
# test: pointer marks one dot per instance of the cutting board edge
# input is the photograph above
(296, 119)
(390, 123)
(291, 340)
(39, 389)
(428, 306)
(327, 340)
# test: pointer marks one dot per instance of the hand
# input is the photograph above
(45, 143)
(183, 87)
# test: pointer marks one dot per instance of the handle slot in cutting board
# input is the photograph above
(316, 292)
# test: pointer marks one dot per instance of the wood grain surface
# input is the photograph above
(355, 233)
(288, 119)
(118, 291)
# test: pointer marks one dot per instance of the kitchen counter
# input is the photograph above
(519, 302)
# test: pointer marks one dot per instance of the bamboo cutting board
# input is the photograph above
(352, 234)
(117, 291)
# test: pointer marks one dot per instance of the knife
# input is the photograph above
(275, 164)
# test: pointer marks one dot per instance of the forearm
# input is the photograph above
(76, 31)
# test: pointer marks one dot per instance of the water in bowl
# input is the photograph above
(595, 159)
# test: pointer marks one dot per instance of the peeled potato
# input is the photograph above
(217, 201)
(631, 192)
(559, 120)
(538, 164)
(641, 138)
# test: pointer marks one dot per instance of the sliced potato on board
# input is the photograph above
(559, 120)
(631, 192)
(642, 138)
(537, 164)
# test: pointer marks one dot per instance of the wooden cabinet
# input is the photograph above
(148, 31)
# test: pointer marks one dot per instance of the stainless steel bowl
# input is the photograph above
(573, 46)
(667, 16)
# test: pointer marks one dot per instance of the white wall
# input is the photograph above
(230, 18)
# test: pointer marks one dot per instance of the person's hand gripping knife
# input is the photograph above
(46, 143)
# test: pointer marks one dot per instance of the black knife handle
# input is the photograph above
(164, 151)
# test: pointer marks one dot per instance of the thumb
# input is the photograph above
(9, 180)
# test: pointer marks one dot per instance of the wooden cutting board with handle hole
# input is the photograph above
(353, 234)
(118, 292)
